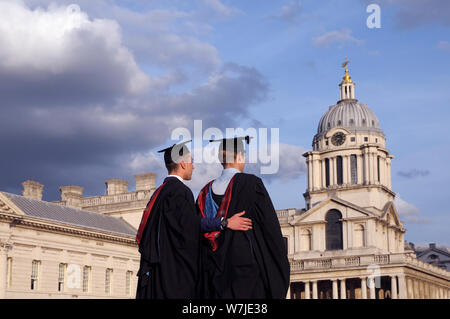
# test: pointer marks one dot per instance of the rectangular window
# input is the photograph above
(354, 169)
(108, 276)
(378, 168)
(61, 276)
(366, 139)
(128, 283)
(9, 273)
(86, 277)
(35, 274)
(327, 172)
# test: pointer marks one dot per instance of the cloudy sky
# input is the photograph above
(91, 89)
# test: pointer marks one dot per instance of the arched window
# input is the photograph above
(305, 240)
(340, 174)
(327, 172)
(333, 230)
(359, 239)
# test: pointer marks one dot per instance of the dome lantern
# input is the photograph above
(347, 86)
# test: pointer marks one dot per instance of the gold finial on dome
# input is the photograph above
(347, 78)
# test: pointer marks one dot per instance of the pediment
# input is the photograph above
(390, 215)
(318, 212)
(7, 206)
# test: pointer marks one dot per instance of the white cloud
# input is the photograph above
(290, 12)
(218, 7)
(408, 212)
(340, 37)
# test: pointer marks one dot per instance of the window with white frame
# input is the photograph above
(86, 278)
(35, 265)
(128, 283)
(108, 280)
(61, 276)
(9, 273)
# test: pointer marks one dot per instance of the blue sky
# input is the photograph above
(273, 63)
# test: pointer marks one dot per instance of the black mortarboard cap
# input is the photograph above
(235, 144)
(173, 153)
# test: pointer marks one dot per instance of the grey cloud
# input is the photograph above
(413, 173)
(81, 124)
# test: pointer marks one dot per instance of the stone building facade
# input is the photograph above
(349, 241)
(54, 251)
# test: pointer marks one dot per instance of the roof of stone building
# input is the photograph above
(349, 114)
(71, 216)
(441, 249)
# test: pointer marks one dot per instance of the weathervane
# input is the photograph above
(344, 65)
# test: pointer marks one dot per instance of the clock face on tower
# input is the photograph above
(338, 139)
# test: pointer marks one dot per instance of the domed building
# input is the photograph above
(349, 240)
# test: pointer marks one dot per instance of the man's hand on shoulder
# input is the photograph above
(237, 222)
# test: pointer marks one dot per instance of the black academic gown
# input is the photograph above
(170, 246)
(251, 264)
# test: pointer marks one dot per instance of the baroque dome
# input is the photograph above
(351, 115)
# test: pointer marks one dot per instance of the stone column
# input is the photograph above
(364, 288)
(335, 289)
(344, 170)
(309, 164)
(315, 295)
(343, 289)
(389, 181)
(307, 290)
(416, 289)
(288, 295)
(366, 167)
(372, 288)
(349, 169)
(359, 169)
(393, 287)
(3, 270)
(402, 293)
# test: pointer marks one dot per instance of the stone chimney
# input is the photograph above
(145, 181)
(432, 246)
(116, 186)
(72, 195)
(32, 189)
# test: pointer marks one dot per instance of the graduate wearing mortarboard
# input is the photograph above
(170, 231)
(237, 264)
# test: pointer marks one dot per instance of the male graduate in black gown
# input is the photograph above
(237, 264)
(169, 233)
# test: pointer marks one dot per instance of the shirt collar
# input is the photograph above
(179, 178)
